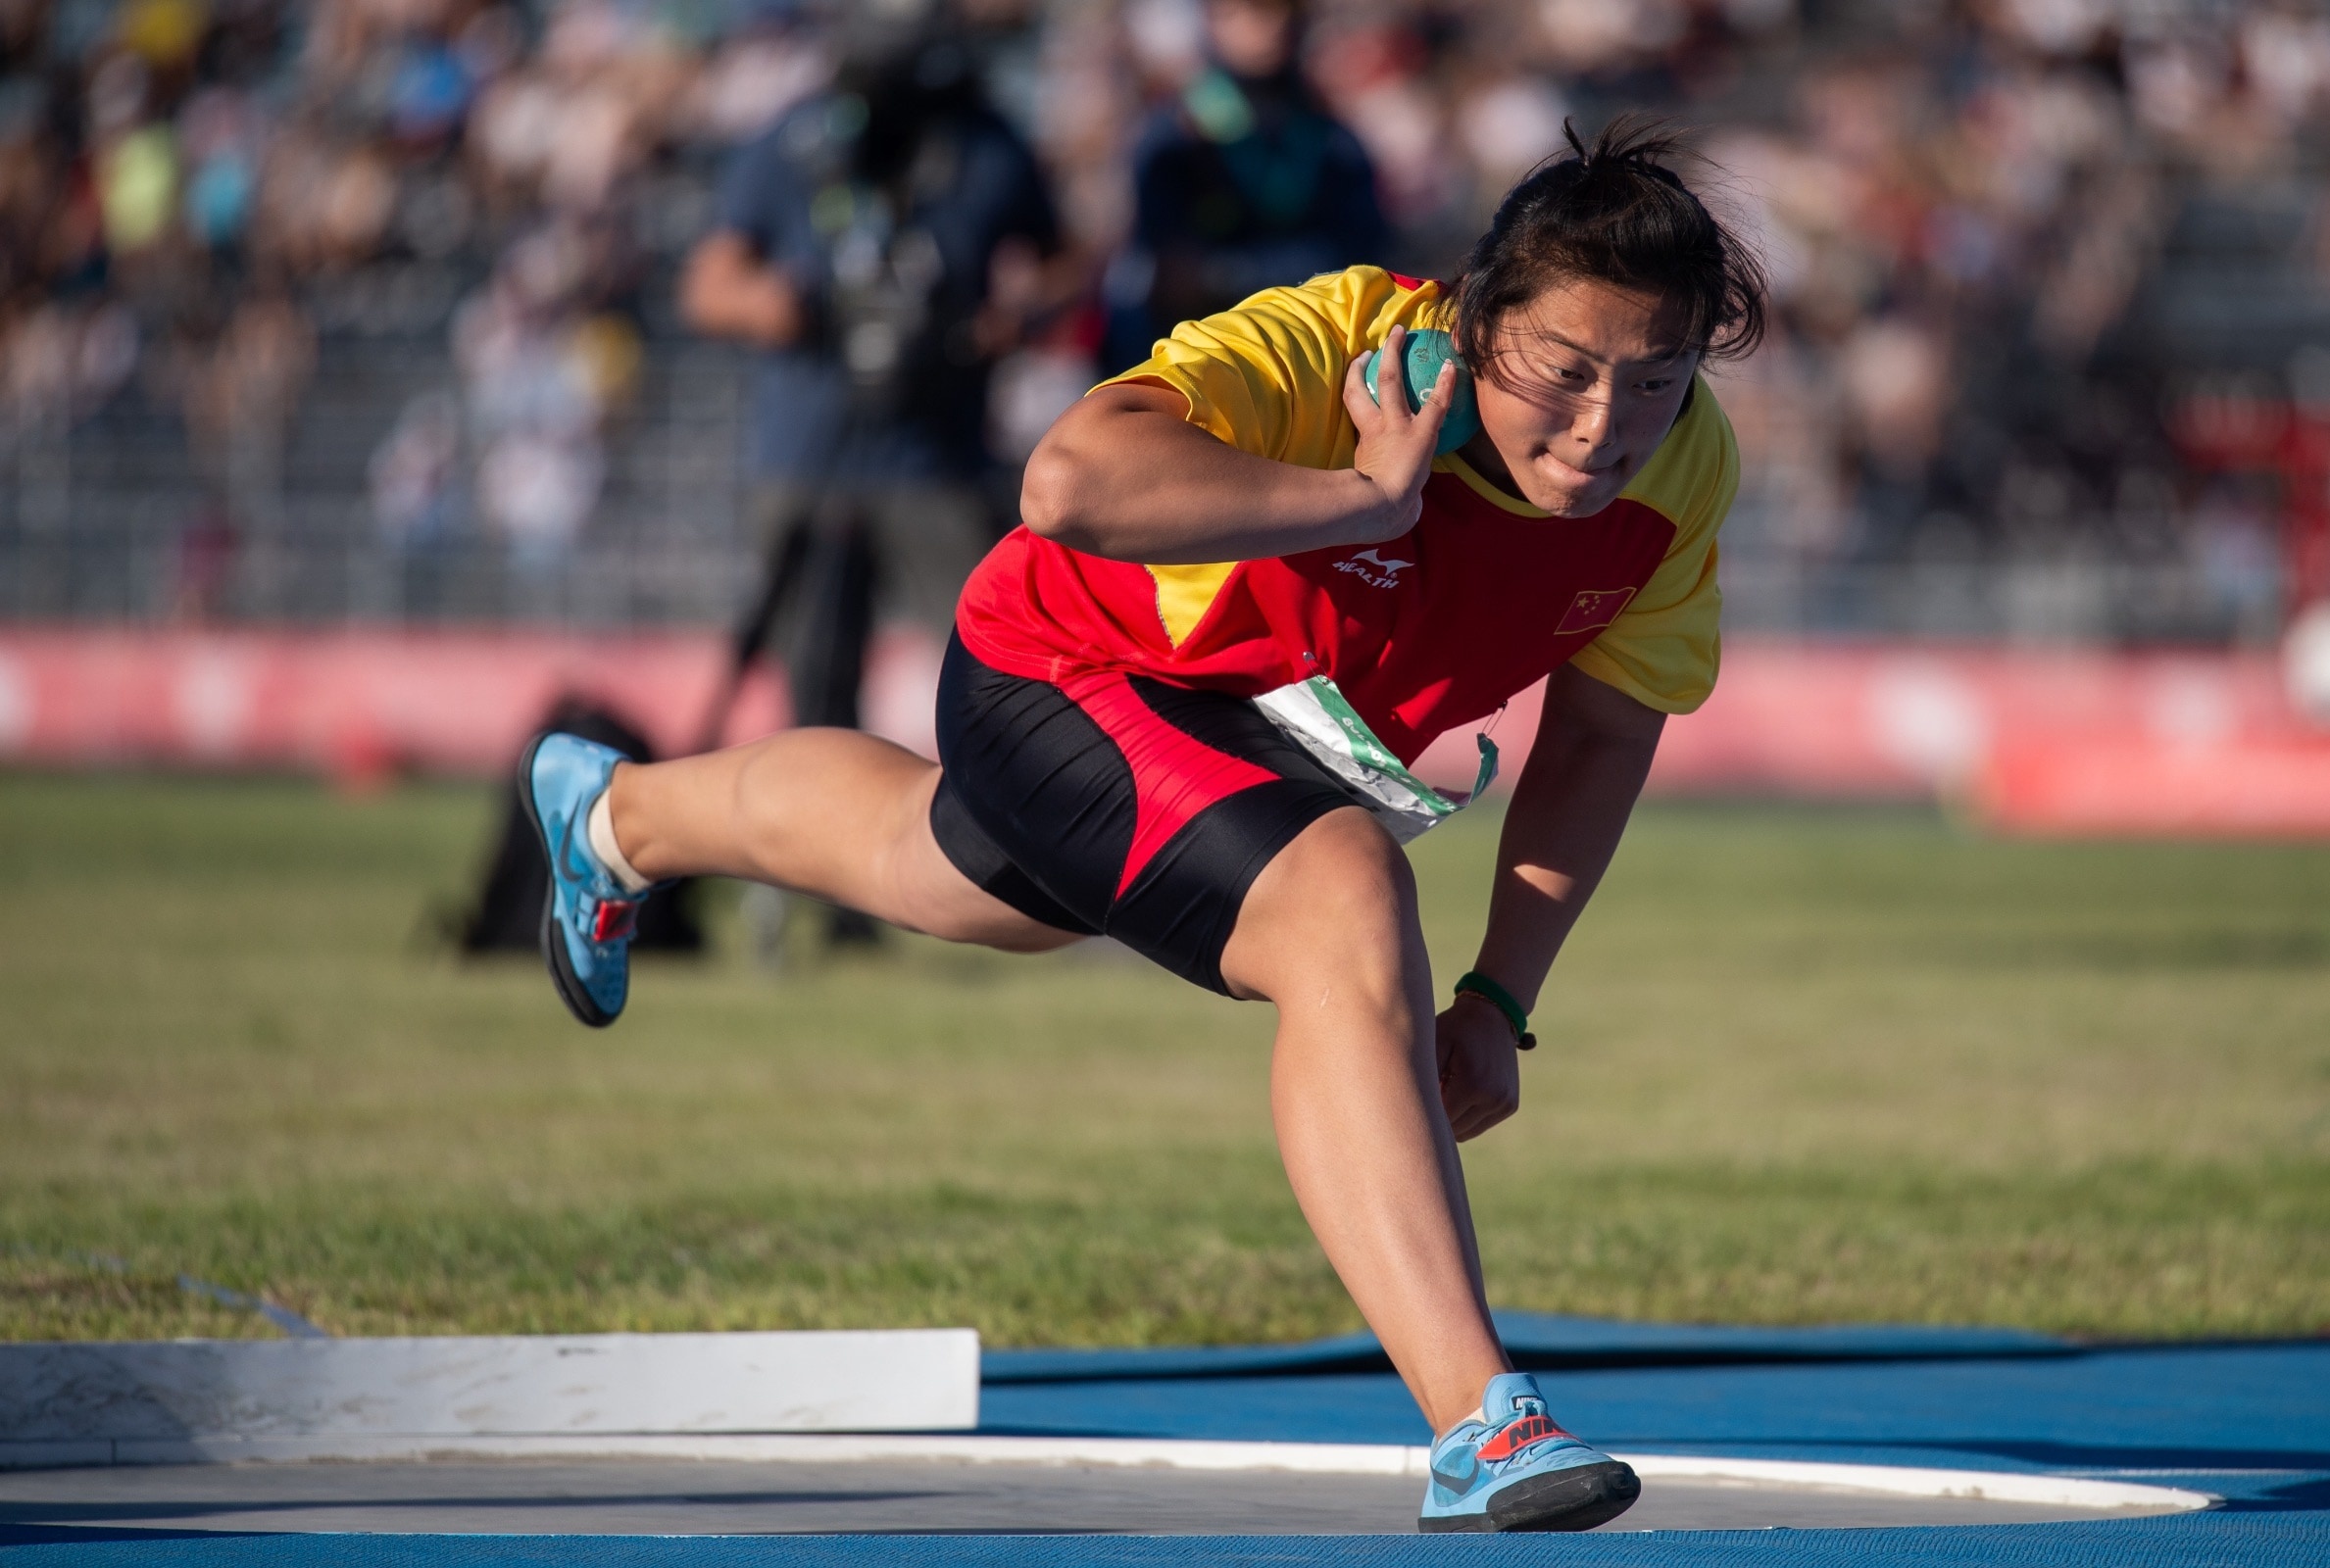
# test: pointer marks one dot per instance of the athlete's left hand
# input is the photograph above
(1480, 1069)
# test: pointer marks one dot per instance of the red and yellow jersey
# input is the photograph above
(1485, 596)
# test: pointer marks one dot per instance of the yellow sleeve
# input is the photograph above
(1665, 649)
(1266, 375)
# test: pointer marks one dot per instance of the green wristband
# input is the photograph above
(1474, 983)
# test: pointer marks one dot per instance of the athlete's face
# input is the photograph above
(1587, 381)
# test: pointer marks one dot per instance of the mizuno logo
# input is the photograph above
(1385, 574)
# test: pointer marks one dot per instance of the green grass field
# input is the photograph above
(1797, 1066)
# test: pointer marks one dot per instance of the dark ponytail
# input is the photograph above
(1614, 213)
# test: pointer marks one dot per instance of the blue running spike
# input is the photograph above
(587, 918)
(1517, 1470)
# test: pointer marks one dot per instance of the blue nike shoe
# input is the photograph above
(1518, 1470)
(587, 918)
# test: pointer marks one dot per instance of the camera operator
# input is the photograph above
(881, 245)
(1242, 180)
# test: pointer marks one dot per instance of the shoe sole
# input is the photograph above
(563, 977)
(1576, 1498)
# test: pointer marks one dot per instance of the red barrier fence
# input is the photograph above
(354, 703)
(2031, 740)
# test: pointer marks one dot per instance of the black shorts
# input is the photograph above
(1117, 803)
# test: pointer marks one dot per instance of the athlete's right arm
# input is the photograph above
(1124, 474)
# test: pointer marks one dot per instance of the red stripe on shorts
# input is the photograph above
(1174, 775)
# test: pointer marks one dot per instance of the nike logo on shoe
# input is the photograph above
(1457, 1482)
(572, 865)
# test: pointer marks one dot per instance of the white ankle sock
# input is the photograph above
(1481, 1415)
(600, 828)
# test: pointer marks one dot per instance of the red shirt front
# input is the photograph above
(1434, 630)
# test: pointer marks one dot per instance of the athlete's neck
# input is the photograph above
(1482, 456)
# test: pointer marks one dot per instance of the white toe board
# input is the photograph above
(917, 1380)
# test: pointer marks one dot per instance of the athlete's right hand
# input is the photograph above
(1396, 446)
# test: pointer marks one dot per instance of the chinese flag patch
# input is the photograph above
(1592, 609)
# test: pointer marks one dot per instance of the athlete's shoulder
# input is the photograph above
(1352, 308)
(1694, 475)
(1267, 374)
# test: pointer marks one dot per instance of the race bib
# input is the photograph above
(1314, 714)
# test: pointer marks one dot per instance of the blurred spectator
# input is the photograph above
(545, 364)
(239, 393)
(65, 356)
(206, 549)
(414, 474)
(1241, 178)
(2007, 234)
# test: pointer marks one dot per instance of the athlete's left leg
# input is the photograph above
(835, 813)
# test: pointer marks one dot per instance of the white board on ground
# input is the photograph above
(917, 1380)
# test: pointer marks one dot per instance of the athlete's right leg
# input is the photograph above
(837, 815)
(1328, 932)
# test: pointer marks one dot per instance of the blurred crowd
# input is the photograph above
(1960, 202)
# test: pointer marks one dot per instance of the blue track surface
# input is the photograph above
(2249, 1422)
(1543, 1340)
(2276, 1543)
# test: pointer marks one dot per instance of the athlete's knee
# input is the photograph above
(1349, 851)
(1335, 909)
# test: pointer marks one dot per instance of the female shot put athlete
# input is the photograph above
(1181, 698)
